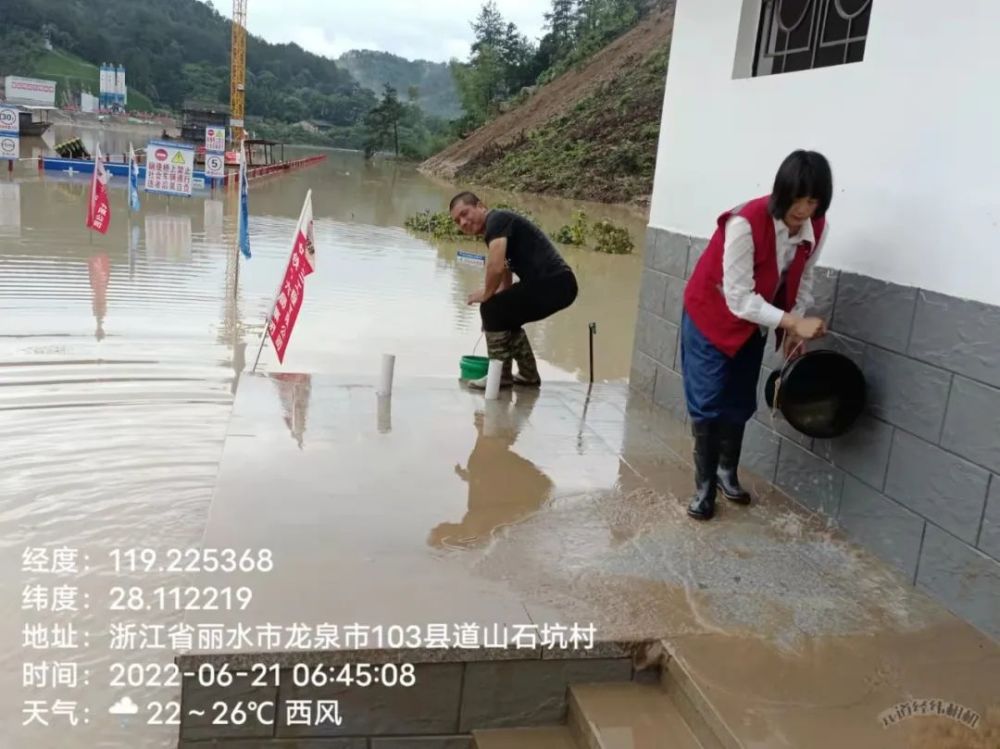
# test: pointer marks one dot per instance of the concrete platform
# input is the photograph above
(435, 507)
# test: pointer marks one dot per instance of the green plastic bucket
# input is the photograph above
(474, 367)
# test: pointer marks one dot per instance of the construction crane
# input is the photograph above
(238, 70)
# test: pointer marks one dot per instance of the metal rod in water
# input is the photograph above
(593, 332)
(263, 337)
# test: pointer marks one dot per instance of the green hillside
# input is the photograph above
(430, 85)
(173, 50)
(604, 149)
(73, 74)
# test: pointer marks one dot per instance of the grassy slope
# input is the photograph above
(604, 149)
(64, 68)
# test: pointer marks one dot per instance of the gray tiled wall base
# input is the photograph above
(918, 480)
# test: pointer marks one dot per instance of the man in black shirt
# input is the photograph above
(546, 284)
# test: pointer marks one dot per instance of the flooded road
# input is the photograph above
(119, 358)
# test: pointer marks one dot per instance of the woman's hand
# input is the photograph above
(477, 297)
(803, 328)
(809, 328)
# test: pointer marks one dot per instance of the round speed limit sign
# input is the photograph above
(9, 119)
(215, 165)
(9, 147)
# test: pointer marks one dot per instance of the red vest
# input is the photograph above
(704, 300)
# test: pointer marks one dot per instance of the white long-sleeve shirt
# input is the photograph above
(737, 271)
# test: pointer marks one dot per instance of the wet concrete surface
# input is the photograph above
(120, 355)
(563, 507)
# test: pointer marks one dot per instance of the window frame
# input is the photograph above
(768, 27)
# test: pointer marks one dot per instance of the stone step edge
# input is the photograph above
(681, 686)
(585, 733)
(644, 653)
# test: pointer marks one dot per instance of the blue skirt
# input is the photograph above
(716, 386)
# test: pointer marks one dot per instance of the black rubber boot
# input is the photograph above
(706, 466)
(730, 446)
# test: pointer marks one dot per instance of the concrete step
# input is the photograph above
(548, 737)
(682, 688)
(627, 716)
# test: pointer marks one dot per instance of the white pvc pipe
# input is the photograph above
(493, 379)
(388, 367)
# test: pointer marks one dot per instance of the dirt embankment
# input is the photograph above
(557, 98)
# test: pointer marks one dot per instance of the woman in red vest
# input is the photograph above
(755, 274)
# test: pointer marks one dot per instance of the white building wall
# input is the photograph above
(912, 133)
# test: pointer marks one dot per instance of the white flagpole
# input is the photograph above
(267, 320)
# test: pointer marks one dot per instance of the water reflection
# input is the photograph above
(503, 486)
(168, 237)
(10, 209)
(214, 211)
(293, 392)
(99, 269)
(384, 414)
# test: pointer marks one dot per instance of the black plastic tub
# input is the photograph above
(821, 394)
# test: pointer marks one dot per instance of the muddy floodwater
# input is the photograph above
(119, 359)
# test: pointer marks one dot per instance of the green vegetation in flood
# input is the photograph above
(440, 225)
(611, 239)
(608, 237)
(575, 233)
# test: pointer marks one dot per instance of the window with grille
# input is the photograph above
(805, 34)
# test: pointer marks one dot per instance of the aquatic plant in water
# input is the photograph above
(611, 239)
(574, 233)
(439, 224)
(607, 237)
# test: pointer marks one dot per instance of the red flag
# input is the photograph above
(99, 209)
(300, 264)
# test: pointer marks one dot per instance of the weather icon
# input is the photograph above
(124, 706)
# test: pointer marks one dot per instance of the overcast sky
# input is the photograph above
(417, 29)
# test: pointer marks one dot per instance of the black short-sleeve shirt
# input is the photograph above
(530, 253)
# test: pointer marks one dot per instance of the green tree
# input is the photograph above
(175, 50)
(489, 28)
(382, 122)
(502, 62)
(561, 24)
(480, 85)
(580, 28)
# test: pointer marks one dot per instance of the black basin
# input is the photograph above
(821, 395)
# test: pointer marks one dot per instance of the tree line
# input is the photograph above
(175, 50)
(504, 61)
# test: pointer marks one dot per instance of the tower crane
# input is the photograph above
(238, 70)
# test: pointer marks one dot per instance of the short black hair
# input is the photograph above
(467, 198)
(803, 174)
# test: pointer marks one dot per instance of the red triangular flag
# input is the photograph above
(99, 209)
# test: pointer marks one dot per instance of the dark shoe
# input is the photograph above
(730, 446)
(706, 465)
